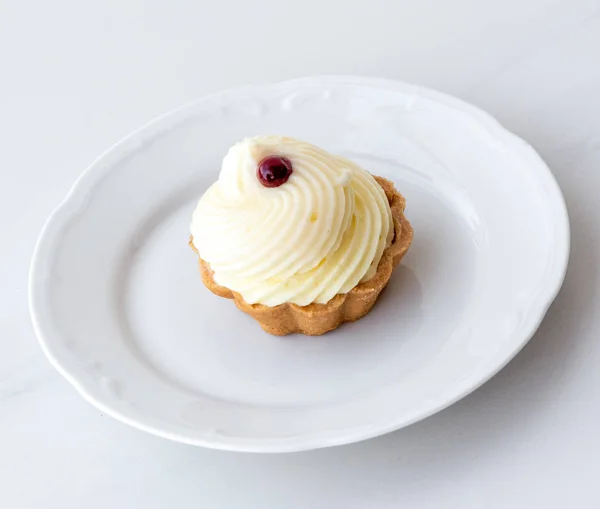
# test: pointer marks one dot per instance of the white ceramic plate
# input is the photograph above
(120, 310)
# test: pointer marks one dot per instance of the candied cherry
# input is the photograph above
(274, 171)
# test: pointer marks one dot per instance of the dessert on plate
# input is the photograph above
(300, 239)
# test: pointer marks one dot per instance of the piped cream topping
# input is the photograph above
(318, 235)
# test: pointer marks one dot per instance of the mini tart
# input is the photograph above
(317, 319)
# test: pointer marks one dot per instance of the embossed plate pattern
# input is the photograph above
(118, 306)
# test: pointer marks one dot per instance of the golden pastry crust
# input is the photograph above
(317, 319)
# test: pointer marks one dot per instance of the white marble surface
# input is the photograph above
(77, 76)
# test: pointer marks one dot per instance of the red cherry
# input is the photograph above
(274, 171)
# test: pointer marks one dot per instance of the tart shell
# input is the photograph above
(317, 319)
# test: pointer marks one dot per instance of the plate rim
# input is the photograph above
(88, 178)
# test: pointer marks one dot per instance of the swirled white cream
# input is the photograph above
(318, 235)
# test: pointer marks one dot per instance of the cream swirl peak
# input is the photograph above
(317, 235)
